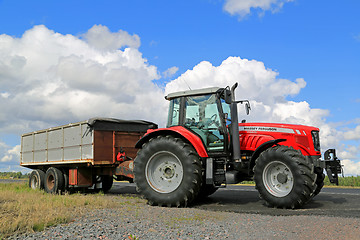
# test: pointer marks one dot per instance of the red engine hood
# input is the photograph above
(276, 127)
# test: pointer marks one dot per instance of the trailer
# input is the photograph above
(87, 154)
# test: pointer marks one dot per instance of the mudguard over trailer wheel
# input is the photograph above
(167, 172)
(54, 181)
(36, 179)
(284, 178)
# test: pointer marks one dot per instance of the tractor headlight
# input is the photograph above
(316, 140)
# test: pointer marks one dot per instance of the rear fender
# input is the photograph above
(177, 131)
(262, 148)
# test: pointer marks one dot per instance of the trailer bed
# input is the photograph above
(95, 142)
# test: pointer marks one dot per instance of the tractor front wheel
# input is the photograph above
(167, 172)
(284, 178)
(319, 180)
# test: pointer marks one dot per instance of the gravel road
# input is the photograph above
(137, 219)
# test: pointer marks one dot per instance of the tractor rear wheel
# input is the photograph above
(284, 178)
(167, 172)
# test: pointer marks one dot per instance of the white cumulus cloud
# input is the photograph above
(49, 78)
(351, 167)
(170, 72)
(244, 7)
(268, 96)
(99, 36)
(353, 134)
(12, 154)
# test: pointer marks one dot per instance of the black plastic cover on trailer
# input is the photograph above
(113, 124)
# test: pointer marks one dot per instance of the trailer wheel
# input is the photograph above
(107, 182)
(36, 179)
(167, 172)
(54, 181)
(284, 178)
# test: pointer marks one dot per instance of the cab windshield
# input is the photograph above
(202, 117)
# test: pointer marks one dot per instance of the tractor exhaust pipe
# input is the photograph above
(234, 126)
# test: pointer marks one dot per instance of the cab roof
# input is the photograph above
(195, 92)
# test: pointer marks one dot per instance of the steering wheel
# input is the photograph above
(213, 120)
(213, 117)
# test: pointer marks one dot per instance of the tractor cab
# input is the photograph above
(205, 113)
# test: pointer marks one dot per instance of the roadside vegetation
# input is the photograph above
(13, 175)
(25, 210)
(345, 181)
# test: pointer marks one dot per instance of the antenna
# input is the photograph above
(187, 84)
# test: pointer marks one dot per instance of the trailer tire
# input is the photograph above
(107, 182)
(54, 181)
(284, 178)
(36, 179)
(167, 172)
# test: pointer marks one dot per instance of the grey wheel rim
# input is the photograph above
(34, 182)
(164, 172)
(278, 179)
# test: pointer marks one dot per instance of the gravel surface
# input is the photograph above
(136, 220)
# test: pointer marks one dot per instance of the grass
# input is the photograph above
(345, 181)
(25, 210)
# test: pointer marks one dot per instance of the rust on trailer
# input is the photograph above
(103, 147)
(125, 169)
(113, 147)
(81, 177)
(127, 141)
(107, 144)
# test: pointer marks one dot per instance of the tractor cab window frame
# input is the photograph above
(203, 115)
(174, 118)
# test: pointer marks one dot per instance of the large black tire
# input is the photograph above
(167, 172)
(107, 182)
(284, 178)
(54, 181)
(36, 179)
(319, 180)
(206, 190)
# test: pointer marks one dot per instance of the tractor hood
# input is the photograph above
(276, 128)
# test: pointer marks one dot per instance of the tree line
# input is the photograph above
(13, 175)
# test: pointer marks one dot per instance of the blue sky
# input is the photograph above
(317, 41)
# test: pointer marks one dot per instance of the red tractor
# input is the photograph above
(204, 147)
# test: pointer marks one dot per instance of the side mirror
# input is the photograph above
(247, 108)
(227, 96)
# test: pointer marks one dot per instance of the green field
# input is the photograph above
(13, 175)
(345, 181)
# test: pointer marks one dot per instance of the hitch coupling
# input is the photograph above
(332, 166)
